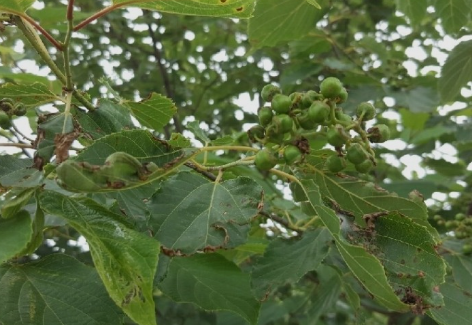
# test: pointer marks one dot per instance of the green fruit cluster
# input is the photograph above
(285, 120)
(8, 108)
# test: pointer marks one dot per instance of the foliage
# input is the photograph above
(138, 198)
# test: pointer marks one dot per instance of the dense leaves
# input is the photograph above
(124, 148)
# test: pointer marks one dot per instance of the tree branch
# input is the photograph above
(165, 76)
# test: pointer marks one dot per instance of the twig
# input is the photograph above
(17, 145)
(280, 220)
(208, 175)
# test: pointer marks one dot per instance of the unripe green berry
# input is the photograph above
(365, 166)
(338, 113)
(451, 224)
(366, 111)
(269, 91)
(5, 122)
(305, 121)
(256, 133)
(379, 133)
(296, 99)
(342, 96)
(7, 105)
(335, 163)
(265, 159)
(309, 97)
(467, 249)
(283, 123)
(318, 111)
(265, 115)
(19, 110)
(356, 154)
(281, 104)
(292, 154)
(331, 87)
(437, 217)
(337, 136)
(459, 216)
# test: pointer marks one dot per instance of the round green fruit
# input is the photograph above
(296, 99)
(265, 115)
(269, 91)
(364, 167)
(318, 111)
(331, 87)
(467, 249)
(366, 111)
(19, 110)
(283, 123)
(265, 159)
(292, 154)
(309, 97)
(305, 121)
(256, 133)
(5, 122)
(7, 105)
(342, 96)
(281, 104)
(356, 154)
(335, 164)
(337, 136)
(459, 216)
(379, 133)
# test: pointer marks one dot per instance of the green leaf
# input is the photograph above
(17, 7)
(359, 197)
(32, 95)
(363, 265)
(201, 135)
(457, 307)
(108, 118)
(211, 282)
(418, 99)
(14, 201)
(221, 8)
(287, 260)
(177, 140)
(283, 20)
(55, 290)
(15, 234)
(153, 112)
(326, 295)
(131, 201)
(454, 14)
(414, 121)
(413, 9)
(314, 3)
(461, 270)
(9, 165)
(407, 253)
(456, 72)
(216, 214)
(125, 259)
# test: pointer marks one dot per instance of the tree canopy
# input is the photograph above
(236, 162)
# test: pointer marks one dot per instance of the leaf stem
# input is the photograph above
(284, 175)
(48, 36)
(237, 148)
(38, 45)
